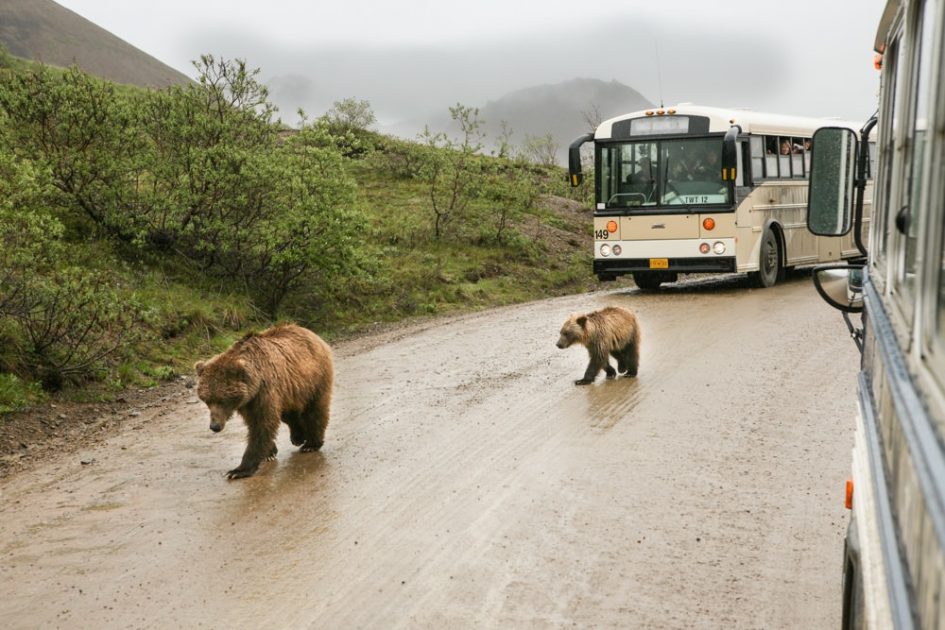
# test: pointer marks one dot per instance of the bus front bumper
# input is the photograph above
(672, 256)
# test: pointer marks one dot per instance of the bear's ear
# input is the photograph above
(582, 321)
(198, 367)
(237, 368)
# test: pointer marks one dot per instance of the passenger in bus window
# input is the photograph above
(709, 167)
(771, 145)
(785, 147)
(796, 145)
(641, 179)
(806, 145)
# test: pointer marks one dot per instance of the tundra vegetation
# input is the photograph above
(140, 229)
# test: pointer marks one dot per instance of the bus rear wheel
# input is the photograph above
(769, 261)
(648, 280)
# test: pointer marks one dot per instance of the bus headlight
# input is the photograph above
(617, 250)
(718, 247)
(605, 250)
(704, 248)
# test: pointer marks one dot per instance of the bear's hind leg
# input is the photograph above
(621, 362)
(631, 353)
(314, 422)
(296, 434)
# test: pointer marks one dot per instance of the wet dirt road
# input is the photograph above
(465, 482)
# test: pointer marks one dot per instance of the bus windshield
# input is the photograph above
(683, 172)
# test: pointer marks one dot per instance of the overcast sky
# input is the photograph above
(413, 57)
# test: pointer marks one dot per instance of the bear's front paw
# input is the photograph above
(239, 473)
(310, 447)
(583, 381)
(611, 373)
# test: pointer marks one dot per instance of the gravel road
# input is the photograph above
(466, 482)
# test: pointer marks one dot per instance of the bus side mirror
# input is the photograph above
(841, 286)
(832, 175)
(575, 176)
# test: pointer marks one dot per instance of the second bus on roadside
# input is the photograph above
(692, 189)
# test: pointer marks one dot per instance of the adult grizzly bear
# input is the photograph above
(283, 373)
(610, 331)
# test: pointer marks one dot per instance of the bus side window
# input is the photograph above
(771, 156)
(807, 143)
(784, 156)
(797, 157)
(757, 158)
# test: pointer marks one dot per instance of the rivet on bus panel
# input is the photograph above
(660, 112)
(849, 499)
(708, 223)
(611, 226)
(670, 111)
(649, 113)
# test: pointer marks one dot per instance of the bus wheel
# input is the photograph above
(769, 261)
(647, 280)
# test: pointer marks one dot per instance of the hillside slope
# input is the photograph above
(43, 30)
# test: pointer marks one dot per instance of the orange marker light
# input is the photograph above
(708, 223)
(849, 500)
(878, 61)
(611, 226)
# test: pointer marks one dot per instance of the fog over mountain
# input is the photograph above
(416, 83)
(413, 61)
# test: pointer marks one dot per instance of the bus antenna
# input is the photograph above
(659, 72)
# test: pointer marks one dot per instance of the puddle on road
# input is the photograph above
(609, 402)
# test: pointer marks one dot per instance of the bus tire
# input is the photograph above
(769, 261)
(647, 280)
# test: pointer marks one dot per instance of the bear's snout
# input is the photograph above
(216, 428)
(560, 345)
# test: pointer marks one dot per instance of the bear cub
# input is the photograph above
(283, 374)
(611, 331)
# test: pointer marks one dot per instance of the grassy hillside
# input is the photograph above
(102, 221)
(43, 30)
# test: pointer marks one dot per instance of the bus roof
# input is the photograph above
(721, 119)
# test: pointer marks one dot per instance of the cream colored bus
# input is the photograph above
(894, 556)
(692, 189)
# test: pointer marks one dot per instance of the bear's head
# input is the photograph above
(224, 385)
(573, 331)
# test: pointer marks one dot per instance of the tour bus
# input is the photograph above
(894, 558)
(692, 189)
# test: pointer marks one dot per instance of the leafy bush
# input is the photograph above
(16, 394)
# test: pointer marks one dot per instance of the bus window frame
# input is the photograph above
(778, 158)
(906, 300)
(933, 327)
(658, 209)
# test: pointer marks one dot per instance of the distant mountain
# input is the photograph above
(561, 109)
(42, 30)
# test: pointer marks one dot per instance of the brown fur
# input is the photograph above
(283, 373)
(611, 331)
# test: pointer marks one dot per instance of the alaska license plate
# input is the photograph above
(659, 263)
